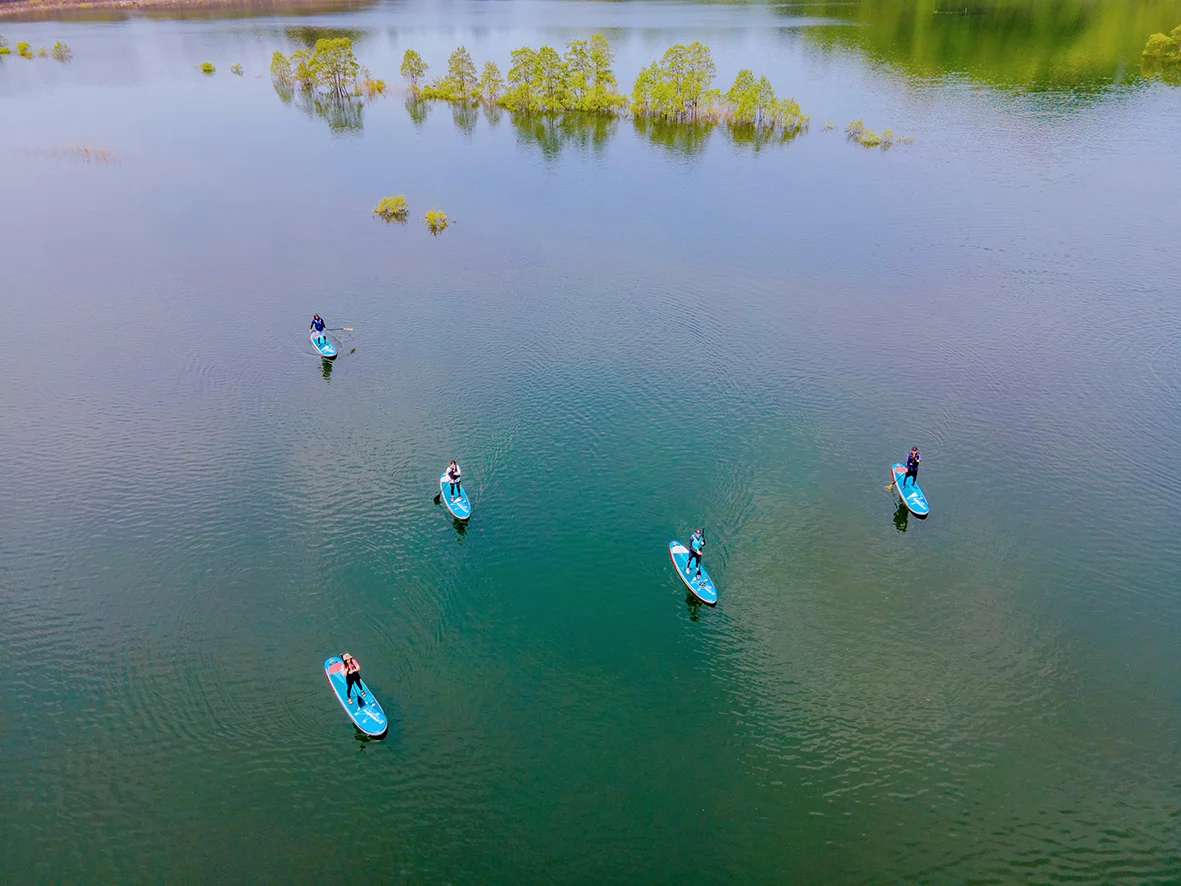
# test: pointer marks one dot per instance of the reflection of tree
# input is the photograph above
(344, 116)
(1075, 44)
(417, 109)
(465, 115)
(1166, 72)
(758, 137)
(307, 35)
(685, 139)
(551, 133)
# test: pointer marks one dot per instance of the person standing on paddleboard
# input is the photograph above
(696, 546)
(352, 676)
(453, 474)
(317, 324)
(912, 467)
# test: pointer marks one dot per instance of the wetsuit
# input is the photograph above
(696, 546)
(453, 476)
(912, 468)
(317, 324)
(352, 677)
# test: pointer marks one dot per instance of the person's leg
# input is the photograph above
(453, 490)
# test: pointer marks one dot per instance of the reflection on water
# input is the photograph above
(344, 116)
(217, 9)
(694, 606)
(551, 133)
(901, 517)
(307, 35)
(683, 139)
(1076, 44)
(465, 115)
(417, 109)
(326, 369)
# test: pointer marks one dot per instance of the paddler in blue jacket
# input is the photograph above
(912, 467)
(317, 324)
(696, 546)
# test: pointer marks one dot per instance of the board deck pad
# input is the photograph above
(370, 719)
(461, 508)
(703, 588)
(911, 494)
(321, 343)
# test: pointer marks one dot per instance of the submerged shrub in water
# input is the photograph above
(207, 68)
(435, 220)
(23, 50)
(236, 69)
(61, 51)
(280, 68)
(867, 138)
(391, 208)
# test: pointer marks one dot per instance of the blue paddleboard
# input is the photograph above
(461, 508)
(323, 346)
(911, 495)
(703, 589)
(370, 719)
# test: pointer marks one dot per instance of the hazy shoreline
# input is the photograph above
(81, 10)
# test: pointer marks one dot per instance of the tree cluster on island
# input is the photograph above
(675, 89)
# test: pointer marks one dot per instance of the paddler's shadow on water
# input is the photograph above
(901, 517)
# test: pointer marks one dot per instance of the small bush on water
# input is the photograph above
(391, 209)
(23, 50)
(42, 52)
(207, 68)
(435, 220)
(867, 138)
(61, 51)
(236, 69)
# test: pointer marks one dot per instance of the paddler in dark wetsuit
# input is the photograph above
(912, 467)
(352, 676)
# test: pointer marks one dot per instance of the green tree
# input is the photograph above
(335, 66)
(303, 69)
(461, 71)
(491, 84)
(280, 68)
(604, 95)
(413, 68)
(520, 93)
(551, 75)
(580, 73)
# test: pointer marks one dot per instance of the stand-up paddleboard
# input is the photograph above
(323, 346)
(370, 719)
(703, 589)
(911, 495)
(461, 508)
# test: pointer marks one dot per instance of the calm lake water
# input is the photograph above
(627, 333)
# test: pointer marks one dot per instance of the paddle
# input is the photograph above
(340, 329)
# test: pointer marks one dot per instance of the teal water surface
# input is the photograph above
(628, 332)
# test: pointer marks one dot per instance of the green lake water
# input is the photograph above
(629, 331)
